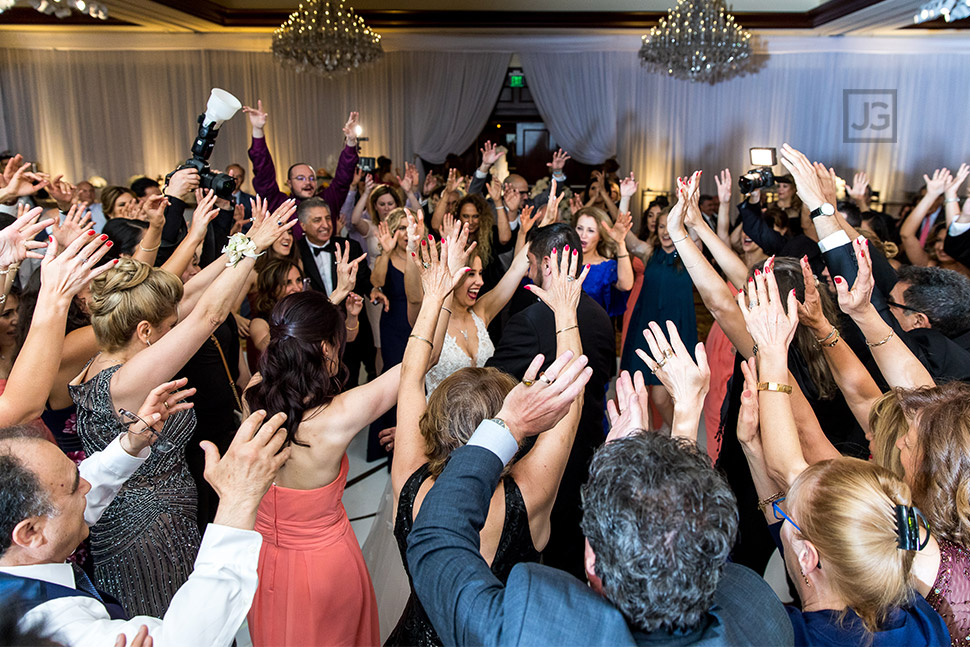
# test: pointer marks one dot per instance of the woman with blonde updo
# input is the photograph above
(147, 327)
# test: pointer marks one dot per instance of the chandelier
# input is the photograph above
(323, 36)
(950, 10)
(63, 8)
(698, 40)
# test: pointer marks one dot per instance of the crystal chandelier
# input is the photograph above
(950, 10)
(698, 40)
(323, 36)
(63, 8)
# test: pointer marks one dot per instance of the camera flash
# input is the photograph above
(763, 156)
(358, 130)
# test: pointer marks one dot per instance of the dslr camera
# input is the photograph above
(760, 177)
(220, 108)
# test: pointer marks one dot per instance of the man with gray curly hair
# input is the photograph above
(932, 297)
(659, 523)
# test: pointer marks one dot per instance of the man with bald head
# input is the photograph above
(47, 504)
(301, 178)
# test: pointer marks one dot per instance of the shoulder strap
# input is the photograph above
(225, 365)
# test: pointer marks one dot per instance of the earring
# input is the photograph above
(805, 577)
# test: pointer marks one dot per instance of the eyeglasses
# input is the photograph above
(162, 444)
(893, 304)
(780, 514)
(305, 178)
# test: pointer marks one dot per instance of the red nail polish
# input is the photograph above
(575, 252)
(50, 238)
(116, 261)
(757, 272)
(104, 237)
(750, 279)
(862, 253)
(838, 280)
(108, 244)
(91, 233)
(413, 255)
(424, 242)
(805, 258)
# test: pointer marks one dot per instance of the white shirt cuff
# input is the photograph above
(830, 242)
(496, 439)
(480, 175)
(228, 545)
(958, 228)
(117, 460)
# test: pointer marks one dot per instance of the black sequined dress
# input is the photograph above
(145, 544)
(515, 546)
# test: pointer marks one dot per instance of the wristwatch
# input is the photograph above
(501, 423)
(825, 209)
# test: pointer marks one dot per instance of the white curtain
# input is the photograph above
(663, 127)
(577, 97)
(119, 113)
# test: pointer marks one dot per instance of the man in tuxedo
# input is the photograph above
(47, 504)
(320, 267)
(660, 522)
(238, 173)
(533, 330)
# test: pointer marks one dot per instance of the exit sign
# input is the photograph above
(516, 81)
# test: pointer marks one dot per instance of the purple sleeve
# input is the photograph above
(264, 173)
(336, 192)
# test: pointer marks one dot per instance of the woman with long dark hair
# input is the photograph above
(313, 584)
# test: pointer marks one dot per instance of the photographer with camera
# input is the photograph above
(301, 178)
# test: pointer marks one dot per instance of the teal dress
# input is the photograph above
(667, 294)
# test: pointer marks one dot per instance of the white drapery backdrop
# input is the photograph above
(662, 127)
(118, 113)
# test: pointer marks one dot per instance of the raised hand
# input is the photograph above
(244, 474)
(628, 187)
(622, 226)
(436, 277)
(689, 189)
(951, 188)
(62, 191)
(154, 209)
(686, 381)
(415, 229)
(562, 289)
(828, 182)
(552, 207)
(771, 327)
(409, 180)
(269, 229)
(810, 311)
(163, 401)
(386, 238)
(749, 419)
(350, 128)
(558, 161)
(936, 185)
(857, 190)
(527, 219)
(724, 185)
(183, 182)
(238, 218)
(626, 413)
(346, 270)
(17, 240)
(66, 274)
(354, 303)
(512, 198)
(430, 184)
(257, 116)
(809, 189)
(495, 191)
(858, 300)
(21, 182)
(491, 153)
(575, 204)
(76, 222)
(530, 410)
(448, 225)
(458, 248)
(676, 226)
(452, 182)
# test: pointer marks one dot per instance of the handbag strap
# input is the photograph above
(225, 365)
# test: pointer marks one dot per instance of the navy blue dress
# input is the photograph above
(667, 294)
(394, 339)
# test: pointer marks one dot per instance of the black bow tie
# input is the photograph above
(325, 248)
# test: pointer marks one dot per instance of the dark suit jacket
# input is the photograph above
(362, 286)
(539, 605)
(958, 247)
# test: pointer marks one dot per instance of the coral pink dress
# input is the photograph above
(314, 588)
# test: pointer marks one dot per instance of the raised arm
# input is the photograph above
(438, 282)
(539, 472)
(336, 192)
(723, 182)
(161, 360)
(205, 212)
(147, 249)
(733, 267)
(357, 219)
(442, 205)
(264, 170)
(909, 231)
(624, 267)
(497, 194)
(492, 302)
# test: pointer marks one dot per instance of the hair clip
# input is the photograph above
(907, 528)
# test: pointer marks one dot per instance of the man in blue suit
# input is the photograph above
(659, 522)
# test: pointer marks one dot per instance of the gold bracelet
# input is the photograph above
(763, 503)
(149, 251)
(822, 340)
(354, 328)
(775, 386)
(892, 333)
(835, 341)
(419, 338)
(567, 328)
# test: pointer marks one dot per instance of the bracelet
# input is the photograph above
(502, 207)
(892, 333)
(775, 386)
(354, 328)
(754, 350)
(679, 240)
(149, 250)
(419, 338)
(822, 340)
(567, 328)
(949, 200)
(763, 503)
(624, 256)
(447, 310)
(3, 299)
(5, 272)
(835, 341)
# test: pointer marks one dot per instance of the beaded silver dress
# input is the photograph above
(453, 358)
(145, 544)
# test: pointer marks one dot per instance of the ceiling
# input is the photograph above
(226, 17)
